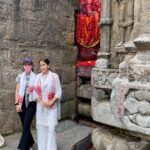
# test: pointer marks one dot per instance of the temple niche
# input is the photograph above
(124, 77)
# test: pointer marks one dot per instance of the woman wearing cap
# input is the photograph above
(25, 103)
(48, 93)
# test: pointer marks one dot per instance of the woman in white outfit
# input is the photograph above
(48, 94)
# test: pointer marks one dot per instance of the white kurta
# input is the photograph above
(48, 116)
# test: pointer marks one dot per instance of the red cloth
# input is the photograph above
(85, 64)
(88, 32)
(86, 54)
(90, 6)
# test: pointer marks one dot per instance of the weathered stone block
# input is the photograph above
(99, 95)
(101, 112)
(103, 78)
(68, 74)
(9, 120)
(85, 91)
(68, 91)
(8, 78)
(7, 99)
(55, 56)
(103, 139)
(70, 54)
(84, 109)
(68, 109)
(6, 122)
(4, 58)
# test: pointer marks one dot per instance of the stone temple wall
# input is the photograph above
(37, 28)
(121, 75)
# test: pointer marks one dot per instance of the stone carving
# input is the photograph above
(131, 107)
(125, 23)
(103, 139)
(137, 111)
(103, 78)
(130, 97)
(139, 67)
(137, 16)
(117, 96)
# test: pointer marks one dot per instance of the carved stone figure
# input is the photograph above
(125, 23)
(130, 99)
(137, 17)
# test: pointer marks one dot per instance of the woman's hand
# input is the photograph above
(39, 99)
(18, 108)
(45, 103)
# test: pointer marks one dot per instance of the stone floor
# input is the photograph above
(68, 134)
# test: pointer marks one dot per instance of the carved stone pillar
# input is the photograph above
(102, 75)
(105, 24)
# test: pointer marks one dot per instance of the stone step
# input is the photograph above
(68, 134)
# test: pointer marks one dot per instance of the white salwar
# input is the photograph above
(46, 137)
(47, 118)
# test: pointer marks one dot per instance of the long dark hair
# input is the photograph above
(46, 60)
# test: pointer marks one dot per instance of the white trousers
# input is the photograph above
(46, 137)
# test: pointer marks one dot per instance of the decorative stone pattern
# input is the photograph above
(103, 78)
(130, 101)
(137, 110)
